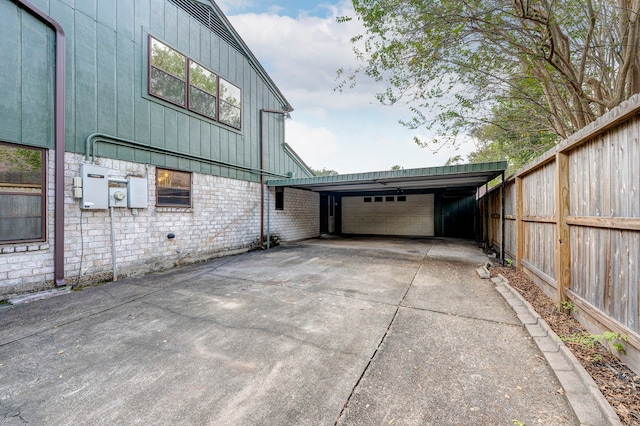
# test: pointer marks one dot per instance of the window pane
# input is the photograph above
(21, 193)
(20, 169)
(202, 78)
(166, 86)
(202, 102)
(20, 217)
(229, 114)
(168, 60)
(174, 188)
(230, 93)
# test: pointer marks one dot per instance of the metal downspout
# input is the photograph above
(59, 122)
(262, 172)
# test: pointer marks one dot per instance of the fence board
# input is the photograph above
(599, 224)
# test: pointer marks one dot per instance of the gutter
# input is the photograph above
(59, 135)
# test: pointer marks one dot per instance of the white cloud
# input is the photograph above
(317, 146)
(346, 131)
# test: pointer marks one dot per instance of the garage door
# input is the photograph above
(408, 215)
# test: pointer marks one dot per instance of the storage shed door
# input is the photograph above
(408, 215)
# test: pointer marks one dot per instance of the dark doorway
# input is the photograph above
(458, 215)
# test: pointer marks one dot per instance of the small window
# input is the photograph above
(402, 198)
(22, 194)
(173, 188)
(378, 199)
(279, 198)
(389, 199)
(367, 199)
(167, 73)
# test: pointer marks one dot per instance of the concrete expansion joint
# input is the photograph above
(589, 405)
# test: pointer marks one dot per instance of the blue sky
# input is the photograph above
(301, 46)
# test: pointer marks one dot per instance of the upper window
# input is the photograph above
(173, 188)
(184, 82)
(22, 194)
(168, 73)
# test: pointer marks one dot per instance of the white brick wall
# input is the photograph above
(300, 217)
(224, 219)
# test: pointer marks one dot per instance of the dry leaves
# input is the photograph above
(619, 384)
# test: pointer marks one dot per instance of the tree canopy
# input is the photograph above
(515, 67)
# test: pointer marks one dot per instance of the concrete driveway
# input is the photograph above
(347, 331)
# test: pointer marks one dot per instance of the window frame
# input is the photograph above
(158, 186)
(279, 198)
(188, 85)
(151, 67)
(42, 195)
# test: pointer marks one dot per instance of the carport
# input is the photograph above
(424, 202)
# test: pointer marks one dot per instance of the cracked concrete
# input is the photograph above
(348, 331)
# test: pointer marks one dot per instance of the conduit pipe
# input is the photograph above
(92, 140)
(59, 122)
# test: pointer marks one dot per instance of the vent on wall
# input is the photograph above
(205, 15)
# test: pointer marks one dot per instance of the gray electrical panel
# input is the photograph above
(138, 197)
(95, 187)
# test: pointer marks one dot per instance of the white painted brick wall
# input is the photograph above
(300, 217)
(224, 219)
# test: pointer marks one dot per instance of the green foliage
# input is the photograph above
(567, 305)
(520, 75)
(607, 338)
(396, 167)
(324, 172)
(457, 159)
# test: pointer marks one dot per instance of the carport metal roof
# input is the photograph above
(463, 176)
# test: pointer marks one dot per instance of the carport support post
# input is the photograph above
(502, 220)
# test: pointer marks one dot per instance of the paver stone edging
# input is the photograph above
(582, 392)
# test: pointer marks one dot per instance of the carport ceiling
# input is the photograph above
(463, 176)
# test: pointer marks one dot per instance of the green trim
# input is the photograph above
(495, 166)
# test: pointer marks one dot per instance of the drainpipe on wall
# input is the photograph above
(59, 121)
(262, 171)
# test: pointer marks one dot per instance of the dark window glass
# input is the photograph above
(402, 198)
(168, 74)
(389, 199)
(367, 199)
(279, 198)
(378, 199)
(21, 194)
(173, 188)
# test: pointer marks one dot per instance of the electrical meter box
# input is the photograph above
(95, 187)
(117, 197)
(138, 195)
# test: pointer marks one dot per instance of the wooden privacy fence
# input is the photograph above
(572, 223)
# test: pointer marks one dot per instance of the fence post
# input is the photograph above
(519, 224)
(502, 219)
(563, 239)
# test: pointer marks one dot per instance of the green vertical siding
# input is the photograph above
(26, 78)
(106, 87)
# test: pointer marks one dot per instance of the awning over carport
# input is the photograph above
(458, 177)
